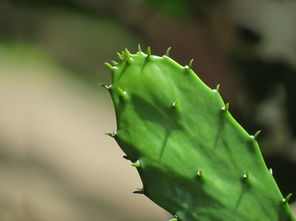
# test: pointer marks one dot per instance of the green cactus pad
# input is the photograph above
(194, 159)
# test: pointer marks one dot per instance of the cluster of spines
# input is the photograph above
(126, 56)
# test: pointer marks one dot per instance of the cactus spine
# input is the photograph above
(194, 159)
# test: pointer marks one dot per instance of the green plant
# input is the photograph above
(194, 159)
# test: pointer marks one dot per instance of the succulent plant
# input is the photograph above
(193, 157)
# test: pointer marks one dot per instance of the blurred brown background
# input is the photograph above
(55, 162)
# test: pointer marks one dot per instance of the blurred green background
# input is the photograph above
(55, 162)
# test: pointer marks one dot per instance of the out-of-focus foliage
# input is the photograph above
(53, 154)
(178, 8)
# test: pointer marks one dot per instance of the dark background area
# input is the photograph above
(55, 162)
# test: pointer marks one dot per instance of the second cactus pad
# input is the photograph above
(194, 159)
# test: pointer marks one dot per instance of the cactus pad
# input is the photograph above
(193, 157)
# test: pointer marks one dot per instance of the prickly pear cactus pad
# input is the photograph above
(194, 159)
